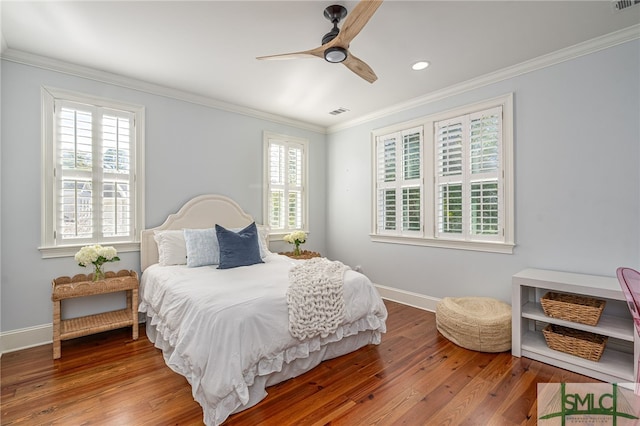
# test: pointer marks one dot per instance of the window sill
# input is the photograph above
(484, 246)
(51, 252)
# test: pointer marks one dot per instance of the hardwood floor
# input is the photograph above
(414, 377)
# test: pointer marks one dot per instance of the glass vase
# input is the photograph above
(98, 274)
(296, 251)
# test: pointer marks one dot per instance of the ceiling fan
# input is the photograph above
(335, 44)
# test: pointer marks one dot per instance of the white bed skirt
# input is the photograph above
(294, 368)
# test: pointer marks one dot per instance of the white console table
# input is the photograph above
(620, 358)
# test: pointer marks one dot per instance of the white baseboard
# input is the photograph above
(24, 338)
(29, 337)
(409, 298)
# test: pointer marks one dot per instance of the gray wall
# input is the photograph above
(577, 149)
(577, 183)
(190, 150)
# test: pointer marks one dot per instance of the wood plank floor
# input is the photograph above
(415, 377)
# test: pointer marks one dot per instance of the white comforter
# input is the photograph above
(222, 329)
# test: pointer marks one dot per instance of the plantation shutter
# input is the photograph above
(94, 179)
(486, 185)
(449, 176)
(399, 182)
(468, 171)
(386, 182)
(412, 180)
(286, 185)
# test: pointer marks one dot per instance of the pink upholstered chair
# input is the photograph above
(630, 283)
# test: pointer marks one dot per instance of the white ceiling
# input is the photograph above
(209, 48)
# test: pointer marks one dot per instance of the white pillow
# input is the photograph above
(263, 239)
(172, 249)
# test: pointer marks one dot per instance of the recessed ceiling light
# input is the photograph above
(420, 65)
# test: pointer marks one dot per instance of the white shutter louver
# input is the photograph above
(467, 175)
(485, 129)
(385, 179)
(411, 191)
(449, 176)
(399, 181)
(411, 209)
(276, 186)
(94, 182)
(484, 146)
(295, 187)
(117, 184)
(286, 185)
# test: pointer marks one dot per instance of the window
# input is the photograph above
(92, 188)
(446, 180)
(285, 197)
(400, 182)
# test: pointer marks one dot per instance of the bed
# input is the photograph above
(229, 332)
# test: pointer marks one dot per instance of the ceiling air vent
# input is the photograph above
(623, 4)
(338, 111)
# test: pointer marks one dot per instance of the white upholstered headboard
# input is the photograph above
(200, 212)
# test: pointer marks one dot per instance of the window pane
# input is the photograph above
(116, 209)
(387, 171)
(294, 163)
(75, 139)
(75, 213)
(295, 210)
(411, 209)
(449, 154)
(484, 208)
(387, 209)
(450, 208)
(484, 143)
(276, 164)
(276, 217)
(411, 156)
(115, 144)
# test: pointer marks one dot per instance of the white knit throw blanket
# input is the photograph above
(315, 298)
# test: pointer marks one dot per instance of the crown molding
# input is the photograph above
(51, 64)
(590, 46)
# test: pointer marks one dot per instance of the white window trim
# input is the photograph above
(267, 136)
(48, 248)
(428, 236)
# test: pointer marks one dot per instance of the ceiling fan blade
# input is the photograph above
(318, 51)
(360, 68)
(355, 22)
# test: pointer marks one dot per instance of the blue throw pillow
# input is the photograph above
(238, 248)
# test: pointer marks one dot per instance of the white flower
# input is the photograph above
(108, 253)
(96, 255)
(296, 237)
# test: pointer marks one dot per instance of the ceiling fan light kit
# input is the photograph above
(335, 44)
(335, 54)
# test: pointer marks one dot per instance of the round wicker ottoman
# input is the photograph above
(477, 323)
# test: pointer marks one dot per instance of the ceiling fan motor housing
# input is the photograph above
(334, 14)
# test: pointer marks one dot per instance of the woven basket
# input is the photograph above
(571, 307)
(575, 342)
